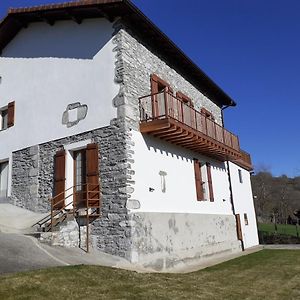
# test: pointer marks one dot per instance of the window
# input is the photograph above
(185, 99)
(203, 181)
(246, 219)
(3, 179)
(240, 175)
(185, 112)
(7, 116)
(207, 114)
(158, 97)
(3, 116)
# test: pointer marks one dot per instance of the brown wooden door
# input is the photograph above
(80, 177)
(239, 227)
(59, 179)
(157, 86)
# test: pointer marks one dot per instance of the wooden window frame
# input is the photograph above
(207, 114)
(185, 99)
(155, 81)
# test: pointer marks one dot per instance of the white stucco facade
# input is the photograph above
(46, 68)
(243, 204)
(151, 156)
(154, 157)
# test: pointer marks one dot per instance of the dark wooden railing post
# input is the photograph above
(196, 125)
(166, 101)
(191, 115)
(87, 217)
(181, 109)
(216, 131)
(52, 214)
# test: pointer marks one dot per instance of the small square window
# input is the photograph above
(240, 176)
(246, 219)
(3, 119)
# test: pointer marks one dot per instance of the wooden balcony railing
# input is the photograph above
(245, 161)
(166, 105)
(169, 118)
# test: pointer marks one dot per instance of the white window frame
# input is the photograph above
(7, 178)
(2, 109)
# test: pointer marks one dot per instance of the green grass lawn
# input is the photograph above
(281, 228)
(268, 274)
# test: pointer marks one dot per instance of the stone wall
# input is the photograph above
(25, 178)
(33, 182)
(135, 64)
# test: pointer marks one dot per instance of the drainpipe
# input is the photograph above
(229, 177)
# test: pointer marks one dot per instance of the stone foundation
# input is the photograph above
(163, 240)
(69, 235)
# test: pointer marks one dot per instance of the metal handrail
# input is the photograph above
(54, 212)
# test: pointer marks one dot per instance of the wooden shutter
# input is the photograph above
(92, 164)
(198, 180)
(209, 180)
(59, 179)
(11, 114)
(92, 173)
(238, 227)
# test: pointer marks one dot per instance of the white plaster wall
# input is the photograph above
(243, 203)
(166, 240)
(153, 155)
(44, 69)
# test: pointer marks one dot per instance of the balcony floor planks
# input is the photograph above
(182, 135)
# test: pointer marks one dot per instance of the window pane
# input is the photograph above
(4, 115)
(3, 179)
(240, 176)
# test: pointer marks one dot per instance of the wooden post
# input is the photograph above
(87, 217)
(166, 101)
(51, 214)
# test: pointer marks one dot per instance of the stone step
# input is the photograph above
(36, 235)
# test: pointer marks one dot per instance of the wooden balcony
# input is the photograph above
(164, 116)
(244, 161)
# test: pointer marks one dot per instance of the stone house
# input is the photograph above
(102, 111)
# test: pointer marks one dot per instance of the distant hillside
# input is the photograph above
(275, 197)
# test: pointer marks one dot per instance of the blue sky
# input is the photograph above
(251, 49)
